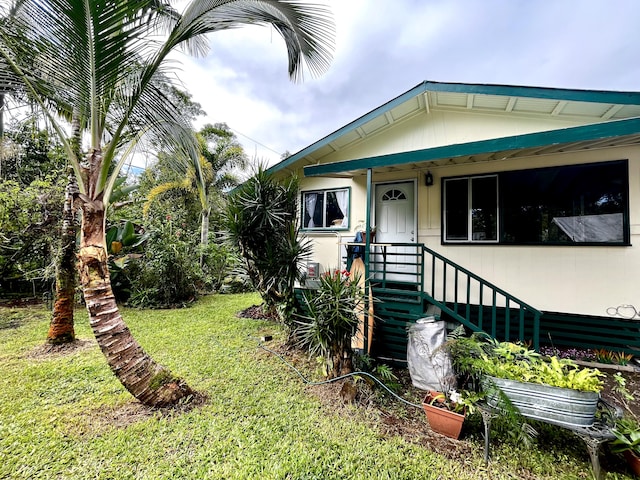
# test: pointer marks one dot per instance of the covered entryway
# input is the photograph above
(395, 220)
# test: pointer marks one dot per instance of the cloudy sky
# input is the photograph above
(386, 47)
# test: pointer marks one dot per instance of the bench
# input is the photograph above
(594, 436)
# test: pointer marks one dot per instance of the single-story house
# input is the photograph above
(510, 209)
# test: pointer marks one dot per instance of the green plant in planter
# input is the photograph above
(627, 432)
(458, 401)
(481, 356)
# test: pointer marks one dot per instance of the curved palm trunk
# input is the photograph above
(61, 327)
(149, 382)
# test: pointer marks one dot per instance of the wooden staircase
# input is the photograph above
(446, 290)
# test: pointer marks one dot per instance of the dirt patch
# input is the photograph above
(63, 349)
(121, 416)
(632, 380)
(106, 417)
(257, 312)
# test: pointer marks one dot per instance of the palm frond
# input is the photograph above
(159, 190)
(307, 29)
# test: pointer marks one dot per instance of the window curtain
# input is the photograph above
(342, 197)
(310, 204)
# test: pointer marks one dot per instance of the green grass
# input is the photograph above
(61, 416)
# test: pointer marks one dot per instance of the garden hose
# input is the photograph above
(352, 374)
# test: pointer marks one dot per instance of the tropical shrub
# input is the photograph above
(219, 262)
(261, 222)
(123, 246)
(167, 274)
(331, 321)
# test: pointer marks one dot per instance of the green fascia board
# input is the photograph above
(518, 142)
(595, 96)
(592, 96)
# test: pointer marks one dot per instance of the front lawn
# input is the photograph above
(65, 416)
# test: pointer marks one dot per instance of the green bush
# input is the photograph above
(220, 264)
(168, 273)
(332, 320)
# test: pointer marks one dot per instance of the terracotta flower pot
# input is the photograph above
(441, 419)
(633, 461)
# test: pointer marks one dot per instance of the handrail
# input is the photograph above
(525, 324)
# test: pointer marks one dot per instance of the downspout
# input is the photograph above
(367, 246)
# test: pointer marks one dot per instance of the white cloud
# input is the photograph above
(384, 47)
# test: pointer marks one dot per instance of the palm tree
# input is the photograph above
(105, 60)
(221, 156)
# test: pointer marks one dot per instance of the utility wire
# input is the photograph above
(254, 141)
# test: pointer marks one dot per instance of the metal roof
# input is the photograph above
(594, 106)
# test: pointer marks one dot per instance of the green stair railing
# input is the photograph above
(414, 271)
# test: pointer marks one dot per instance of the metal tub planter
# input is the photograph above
(564, 406)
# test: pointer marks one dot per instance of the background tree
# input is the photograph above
(96, 57)
(179, 202)
(31, 192)
(222, 156)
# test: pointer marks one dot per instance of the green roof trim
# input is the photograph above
(595, 96)
(518, 142)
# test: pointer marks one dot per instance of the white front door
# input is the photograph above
(395, 214)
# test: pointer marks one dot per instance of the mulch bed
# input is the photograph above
(256, 312)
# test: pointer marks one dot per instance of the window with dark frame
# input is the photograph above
(565, 205)
(326, 209)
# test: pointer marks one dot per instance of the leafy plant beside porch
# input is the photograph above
(331, 320)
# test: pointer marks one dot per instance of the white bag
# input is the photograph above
(429, 364)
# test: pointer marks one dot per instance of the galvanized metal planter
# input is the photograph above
(563, 406)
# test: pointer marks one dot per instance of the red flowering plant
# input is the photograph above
(331, 320)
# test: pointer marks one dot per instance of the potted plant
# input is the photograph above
(627, 442)
(627, 429)
(544, 389)
(446, 412)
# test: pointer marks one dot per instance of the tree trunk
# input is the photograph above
(204, 233)
(1, 115)
(150, 383)
(61, 327)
